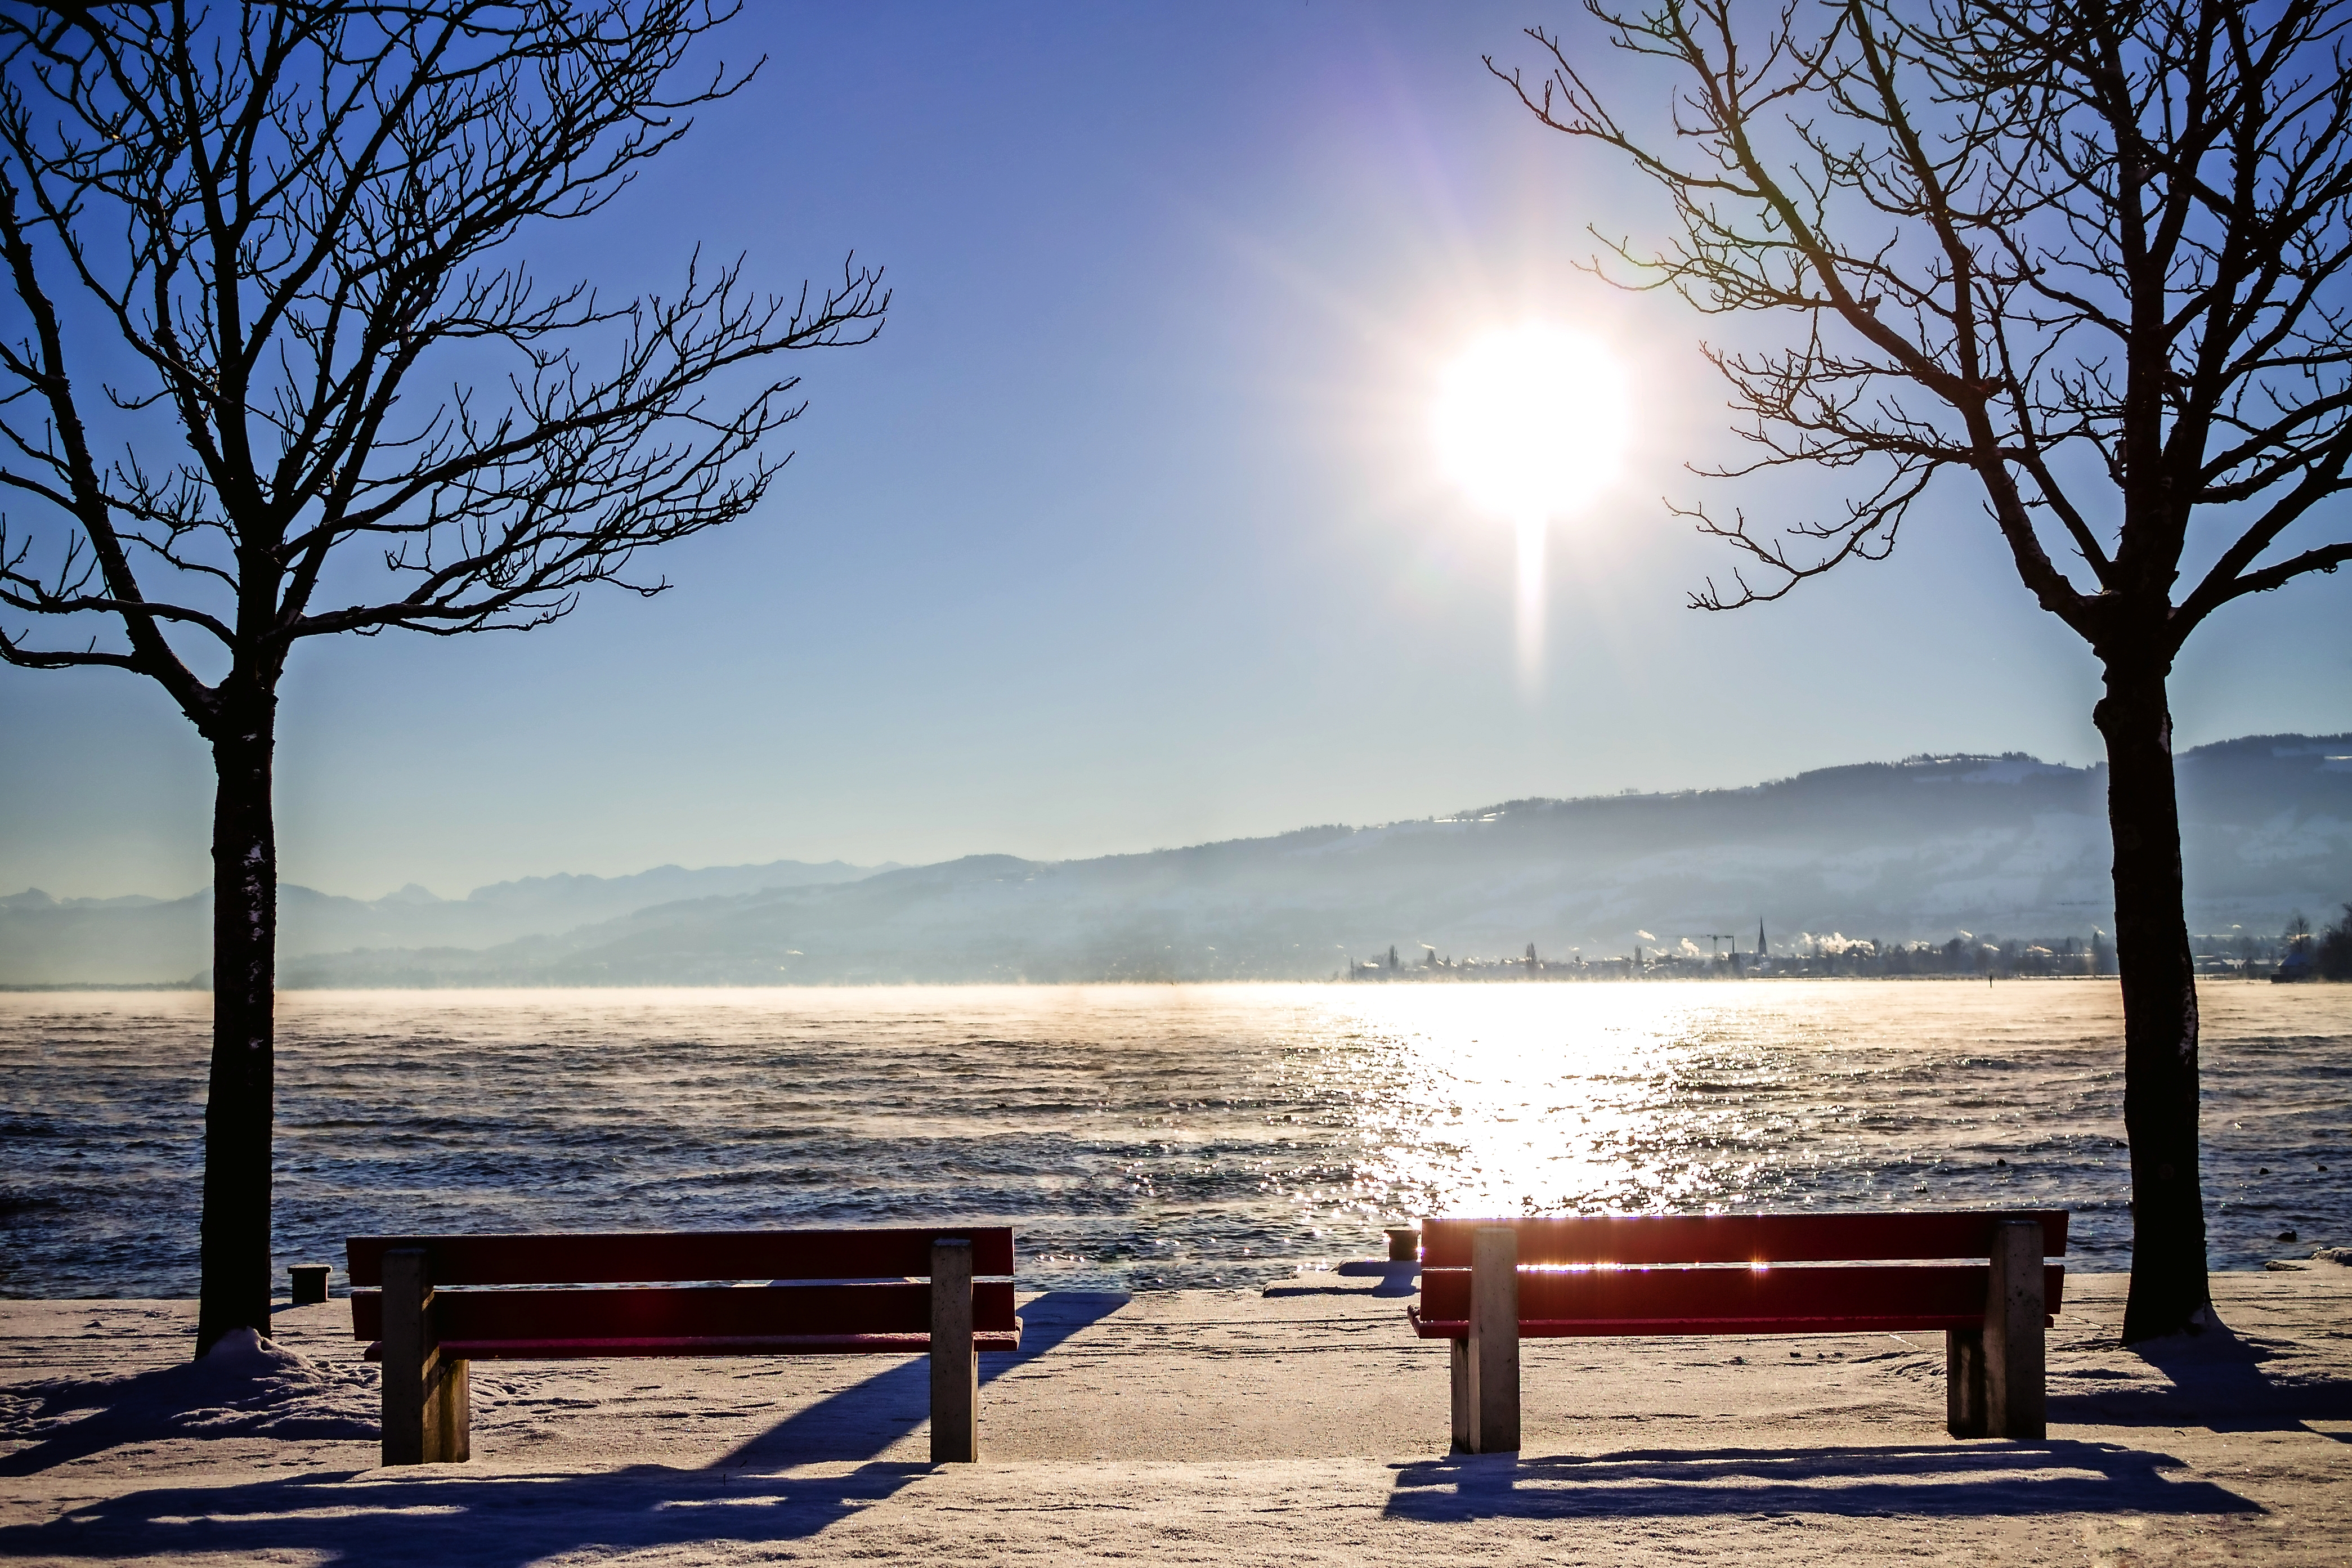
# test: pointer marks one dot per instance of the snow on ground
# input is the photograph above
(1304, 1427)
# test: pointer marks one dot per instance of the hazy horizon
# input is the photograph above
(463, 888)
(1926, 848)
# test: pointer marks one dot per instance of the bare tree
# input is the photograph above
(2090, 258)
(280, 373)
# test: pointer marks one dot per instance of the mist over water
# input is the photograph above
(1149, 1137)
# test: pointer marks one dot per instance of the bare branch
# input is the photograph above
(299, 218)
(2025, 239)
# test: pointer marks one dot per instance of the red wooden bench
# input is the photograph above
(434, 1303)
(1486, 1284)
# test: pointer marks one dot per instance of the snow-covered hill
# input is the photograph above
(1921, 848)
(46, 941)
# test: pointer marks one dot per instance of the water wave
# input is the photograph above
(1147, 1137)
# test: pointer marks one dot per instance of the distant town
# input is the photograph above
(2298, 952)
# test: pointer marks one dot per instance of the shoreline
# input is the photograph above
(181, 988)
(1305, 1423)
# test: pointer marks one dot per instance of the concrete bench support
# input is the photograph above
(1490, 1390)
(2015, 1403)
(1993, 1374)
(427, 1415)
(1964, 1381)
(955, 1365)
(1462, 1425)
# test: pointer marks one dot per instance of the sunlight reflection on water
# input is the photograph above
(1149, 1136)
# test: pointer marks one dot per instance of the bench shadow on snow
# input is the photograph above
(2221, 1381)
(1948, 1481)
(862, 1420)
(455, 1514)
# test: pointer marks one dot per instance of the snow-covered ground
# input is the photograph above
(1305, 1425)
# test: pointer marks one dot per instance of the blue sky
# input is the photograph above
(1128, 532)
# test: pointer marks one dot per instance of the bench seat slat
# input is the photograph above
(1651, 1239)
(1867, 1296)
(612, 1257)
(1605, 1328)
(705, 1345)
(689, 1312)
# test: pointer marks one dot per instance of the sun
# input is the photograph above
(1531, 423)
(1532, 420)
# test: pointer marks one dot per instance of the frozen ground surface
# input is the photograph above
(1303, 1426)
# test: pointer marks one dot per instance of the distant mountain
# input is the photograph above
(1921, 848)
(561, 903)
(46, 941)
(34, 898)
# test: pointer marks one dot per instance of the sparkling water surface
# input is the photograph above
(1149, 1137)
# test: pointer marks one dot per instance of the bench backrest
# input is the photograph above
(888, 1302)
(613, 1257)
(1555, 1241)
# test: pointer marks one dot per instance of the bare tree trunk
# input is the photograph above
(239, 1112)
(2168, 1290)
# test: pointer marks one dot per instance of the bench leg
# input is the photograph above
(2016, 1403)
(955, 1366)
(1963, 1382)
(450, 1412)
(1461, 1364)
(1493, 1353)
(427, 1403)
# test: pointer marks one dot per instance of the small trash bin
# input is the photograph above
(1404, 1243)
(310, 1283)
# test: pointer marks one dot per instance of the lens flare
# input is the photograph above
(1531, 423)
(1532, 420)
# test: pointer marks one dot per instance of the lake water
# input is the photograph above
(1149, 1137)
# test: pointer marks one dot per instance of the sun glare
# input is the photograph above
(1532, 420)
(1531, 423)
